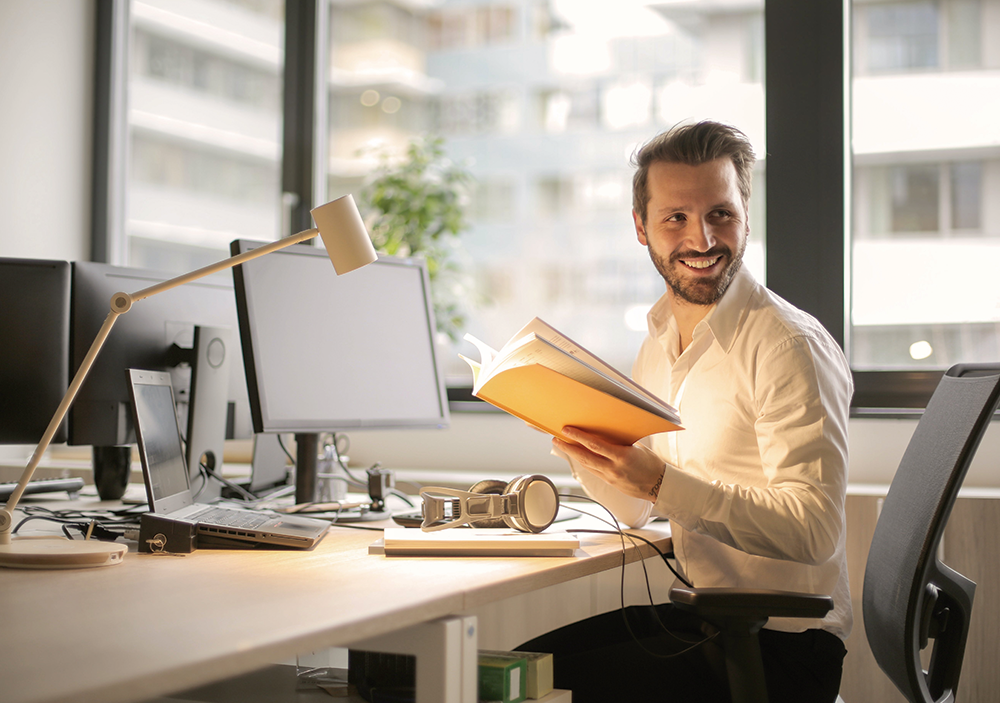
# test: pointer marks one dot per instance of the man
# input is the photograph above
(754, 486)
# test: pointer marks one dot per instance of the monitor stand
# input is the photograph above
(307, 480)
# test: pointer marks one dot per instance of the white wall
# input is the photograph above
(46, 88)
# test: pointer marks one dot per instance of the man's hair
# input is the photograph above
(693, 144)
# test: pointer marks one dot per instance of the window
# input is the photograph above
(938, 200)
(917, 36)
(203, 121)
(924, 172)
(545, 102)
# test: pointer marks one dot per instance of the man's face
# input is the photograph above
(696, 228)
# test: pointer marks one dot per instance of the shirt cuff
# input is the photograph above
(682, 497)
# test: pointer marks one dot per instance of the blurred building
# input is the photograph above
(544, 101)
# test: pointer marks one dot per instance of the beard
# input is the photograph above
(702, 290)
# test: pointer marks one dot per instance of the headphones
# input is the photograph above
(529, 503)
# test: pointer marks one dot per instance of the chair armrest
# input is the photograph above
(746, 604)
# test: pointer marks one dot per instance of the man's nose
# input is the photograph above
(702, 236)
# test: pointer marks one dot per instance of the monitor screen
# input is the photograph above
(150, 336)
(34, 347)
(328, 353)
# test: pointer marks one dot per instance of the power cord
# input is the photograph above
(631, 537)
(208, 472)
(104, 525)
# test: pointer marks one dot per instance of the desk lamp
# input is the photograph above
(348, 246)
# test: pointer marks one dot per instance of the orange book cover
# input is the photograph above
(551, 382)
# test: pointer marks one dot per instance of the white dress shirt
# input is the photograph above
(754, 485)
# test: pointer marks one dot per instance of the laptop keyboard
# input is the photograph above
(224, 517)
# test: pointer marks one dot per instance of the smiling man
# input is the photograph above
(754, 486)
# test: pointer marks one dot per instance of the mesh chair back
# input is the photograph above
(909, 595)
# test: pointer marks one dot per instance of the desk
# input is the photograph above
(160, 624)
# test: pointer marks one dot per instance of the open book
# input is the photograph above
(551, 382)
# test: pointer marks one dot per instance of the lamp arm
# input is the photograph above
(120, 304)
(225, 264)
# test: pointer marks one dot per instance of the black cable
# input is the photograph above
(204, 483)
(211, 473)
(95, 524)
(39, 512)
(402, 496)
(664, 556)
(281, 443)
(622, 534)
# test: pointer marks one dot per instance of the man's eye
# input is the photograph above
(676, 217)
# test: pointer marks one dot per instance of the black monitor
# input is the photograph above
(157, 334)
(34, 347)
(327, 353)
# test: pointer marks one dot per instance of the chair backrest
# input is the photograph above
(909, 595)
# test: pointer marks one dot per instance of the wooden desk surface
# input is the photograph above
(158, 624)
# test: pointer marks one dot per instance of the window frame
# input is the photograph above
(809, 172)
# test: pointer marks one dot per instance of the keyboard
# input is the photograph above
(72, 486)
(223, 517)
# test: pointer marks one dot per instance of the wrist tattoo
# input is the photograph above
(654, 492)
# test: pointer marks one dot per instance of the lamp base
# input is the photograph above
(59, 553)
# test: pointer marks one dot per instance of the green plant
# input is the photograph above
(415, 206)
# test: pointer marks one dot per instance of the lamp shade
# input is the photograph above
(344, 235)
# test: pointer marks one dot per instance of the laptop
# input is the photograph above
(168, 486)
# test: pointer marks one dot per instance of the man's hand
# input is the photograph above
(632, 469)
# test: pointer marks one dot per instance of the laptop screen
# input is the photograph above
(158, 436)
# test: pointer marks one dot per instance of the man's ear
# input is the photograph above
(640, 229)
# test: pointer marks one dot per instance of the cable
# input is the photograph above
(204, 483)
(281, 443)
(623, 535)
(97, 524)
(211, 473)
(402, 496)
(338, 454)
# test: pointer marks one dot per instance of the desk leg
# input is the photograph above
(447, 657)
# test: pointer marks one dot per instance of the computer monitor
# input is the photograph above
(158, 334)
(326, 353)
(34, 347)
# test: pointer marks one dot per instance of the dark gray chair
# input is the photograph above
(909, 596)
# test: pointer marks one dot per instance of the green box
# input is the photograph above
(502, 677)
(540, 674)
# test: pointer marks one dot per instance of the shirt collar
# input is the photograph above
(722, 320)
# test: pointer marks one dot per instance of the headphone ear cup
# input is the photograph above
(537, 501)
(489, 487)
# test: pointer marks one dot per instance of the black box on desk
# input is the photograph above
(161, 534)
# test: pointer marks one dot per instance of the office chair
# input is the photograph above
(909, 596)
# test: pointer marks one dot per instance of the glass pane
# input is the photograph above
(925, 166)
(967, 195)
(543, 102)
(204, 129)
(900, 35)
